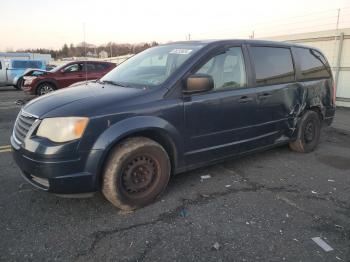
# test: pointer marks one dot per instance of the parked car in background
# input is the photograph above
(50, 67)
(170, 109)
(12, 70)
(41, 82)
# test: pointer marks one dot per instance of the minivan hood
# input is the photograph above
(79, 100)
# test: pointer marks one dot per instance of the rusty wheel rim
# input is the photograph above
(139, 175)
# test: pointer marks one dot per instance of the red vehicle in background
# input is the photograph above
(40, 82)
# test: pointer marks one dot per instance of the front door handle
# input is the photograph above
(264, 95)
(245, 99)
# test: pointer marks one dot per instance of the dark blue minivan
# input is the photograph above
(170, 109)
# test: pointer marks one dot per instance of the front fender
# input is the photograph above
(129, 126)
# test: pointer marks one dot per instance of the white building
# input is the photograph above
(335, 44)
(103, 54)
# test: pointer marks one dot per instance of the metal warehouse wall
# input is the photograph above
(31, 56)
(335, 44)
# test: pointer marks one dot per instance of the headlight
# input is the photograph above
(62, 129)
(28, 79)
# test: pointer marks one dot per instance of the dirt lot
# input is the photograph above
(264, 207)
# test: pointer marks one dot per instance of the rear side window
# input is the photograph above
(101, 67)
(273, 65)
(90, 67)
(312, 64)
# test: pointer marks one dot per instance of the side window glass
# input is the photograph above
(100, 67)
(0, 65)
(73, 68)
(273, 65)
(313, 65)
(226, 69)
(90, 67)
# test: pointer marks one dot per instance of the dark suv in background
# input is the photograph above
(40, 82)
(170, 109)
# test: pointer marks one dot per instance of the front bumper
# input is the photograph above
(28, 89)
(58, 175)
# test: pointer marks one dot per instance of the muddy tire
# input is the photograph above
(308, 133)
(136, 172)
(45, 88)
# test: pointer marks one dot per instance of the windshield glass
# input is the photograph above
(151, 67)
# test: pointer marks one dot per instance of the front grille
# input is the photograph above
(22, 126)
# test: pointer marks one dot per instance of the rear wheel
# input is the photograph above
(45, 88)
(308, 135)
(136, 173)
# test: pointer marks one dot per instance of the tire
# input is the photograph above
(45, 88)
(308, 136)
(19, 83)
(137, 171)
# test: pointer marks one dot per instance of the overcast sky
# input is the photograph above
(50, 24)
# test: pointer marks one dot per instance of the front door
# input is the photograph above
(221, 122)
(71, 74)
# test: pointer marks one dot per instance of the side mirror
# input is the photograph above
(62, 71)
(198, 83)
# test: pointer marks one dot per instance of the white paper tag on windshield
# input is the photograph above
(181, 51)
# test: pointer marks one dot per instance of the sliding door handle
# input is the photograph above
(245, 99)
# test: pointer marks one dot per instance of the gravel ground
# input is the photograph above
(264, 207)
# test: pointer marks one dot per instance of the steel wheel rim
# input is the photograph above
(309, 132)
(139, 176)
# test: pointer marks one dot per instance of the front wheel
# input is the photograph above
(19, 83)
(136, 173)
(44, 89)
(308, 133)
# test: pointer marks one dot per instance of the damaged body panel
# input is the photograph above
(248, 95)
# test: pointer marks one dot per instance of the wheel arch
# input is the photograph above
(153, 128)
(49, 80)
(318, 110)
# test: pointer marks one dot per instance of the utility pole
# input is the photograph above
(338, 16)
(189, 37)
(84, 36)
(85, 53)
(110, 49)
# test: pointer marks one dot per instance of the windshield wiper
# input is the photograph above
(111, 83)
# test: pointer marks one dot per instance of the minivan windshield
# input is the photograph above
(151, 67)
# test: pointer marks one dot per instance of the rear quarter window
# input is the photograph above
(101, 67)
(273, 65)
(313, 65)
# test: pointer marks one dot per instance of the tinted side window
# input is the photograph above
(101, 67)
(313, 65)
(273, 65)
(227, 69)
(0, 65)
(90, 67)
